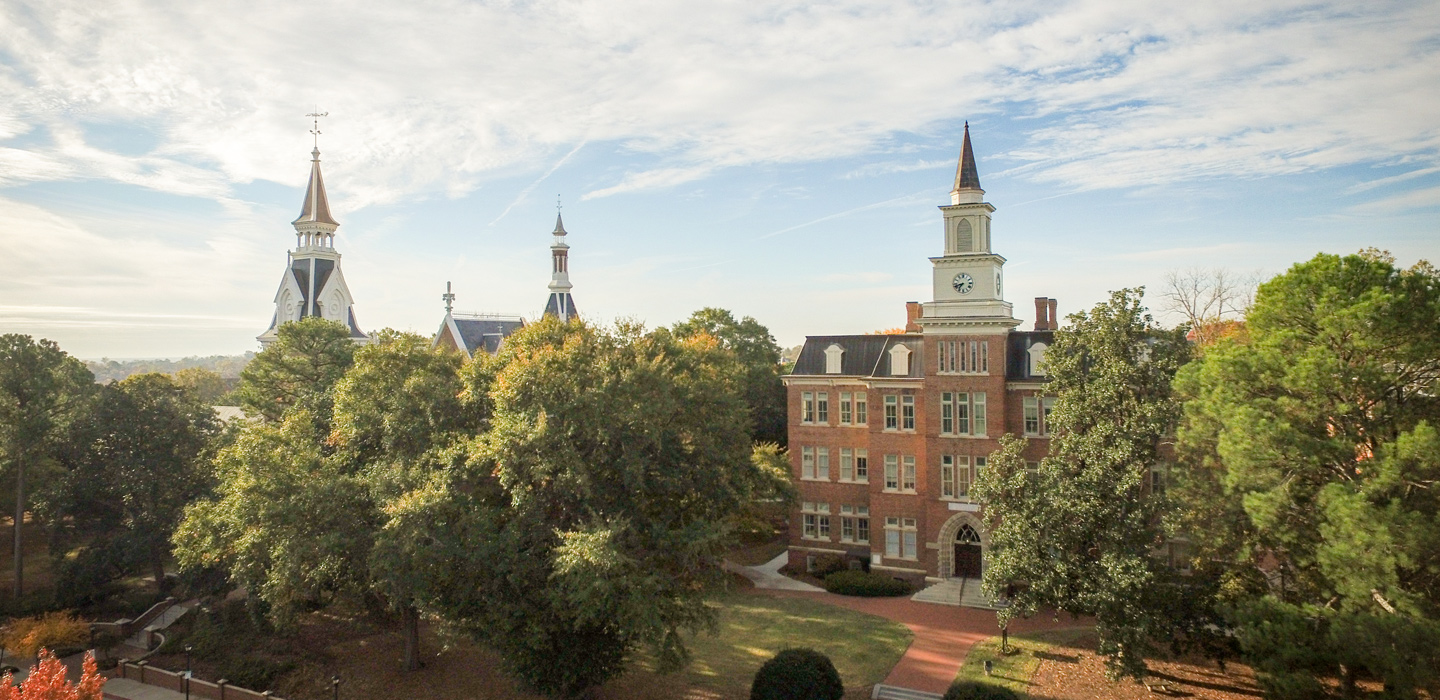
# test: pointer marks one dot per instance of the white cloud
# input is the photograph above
(438, 96)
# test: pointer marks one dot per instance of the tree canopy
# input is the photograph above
(1311, 474)
(759, 361)
(299, 369)
(1078, 532)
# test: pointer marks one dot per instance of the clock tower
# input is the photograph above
(968, 278)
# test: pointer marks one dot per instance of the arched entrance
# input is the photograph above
(968, 553)
(962, 546)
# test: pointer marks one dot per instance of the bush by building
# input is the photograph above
(59, 630)
(797, 674)
(977, 690)
(865, 584)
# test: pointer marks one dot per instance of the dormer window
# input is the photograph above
(1037, 359)
(900, 361)
(834, 355)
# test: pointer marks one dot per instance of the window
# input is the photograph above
(847, 464)
(1157, 481)
(907, 477)
(900, 361)
(822, 408)
(979, 466)
(855, 524)
(900, 538)
(822, 463)
(1032, 466)
(807, 407)
(862, 466)
(892, 473)
(907, 413)
(947, 476)
(962, 475)
(860, 412)
(947, 413)
(833, 358)
(807, 463)
(962, 414)
(964, 357)
(815, 518)
(1036, 357)
(892, 412)
(977, 400)
(844, 408)
(1037, 414)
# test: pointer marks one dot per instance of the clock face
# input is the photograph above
(962, 283)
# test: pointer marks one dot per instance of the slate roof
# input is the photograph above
(967, 177)
(865, 355)
(559, 301)
(317, 206)
(485, 333)
(1017, 359)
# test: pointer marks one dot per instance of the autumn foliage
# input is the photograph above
(27, 636)
(47, 682)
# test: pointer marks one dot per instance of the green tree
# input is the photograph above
(299, 369)
(139, 456)
(760, 366)
(41, 390)
(302, 515)
(1078, 533)
(590, 520)
(1315, 439)
(205, 385)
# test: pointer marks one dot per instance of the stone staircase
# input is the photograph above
(964, 592)
(893, 692)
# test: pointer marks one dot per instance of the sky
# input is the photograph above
(781, 160)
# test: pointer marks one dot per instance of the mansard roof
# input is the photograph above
(865, 355)
(480, 333)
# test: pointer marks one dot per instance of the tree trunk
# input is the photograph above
(19, 525)
(157, 569)
(410, 627)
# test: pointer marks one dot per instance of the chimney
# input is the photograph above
(1042, 314)
(1051, 317)
(912, 312)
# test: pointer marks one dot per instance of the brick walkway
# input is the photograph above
(943, 634)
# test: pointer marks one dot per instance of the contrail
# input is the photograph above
(531, 187)
(844, 213)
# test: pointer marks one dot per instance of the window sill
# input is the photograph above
(864, 542)
(824, 480)
(956, 499)
(807, 538)
(862, 482)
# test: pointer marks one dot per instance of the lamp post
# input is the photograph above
(335, 683)
(188, 649)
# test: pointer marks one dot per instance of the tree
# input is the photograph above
(589, 521)
(759, 359)
(48, 680)
(41, 390)
(135, 460)
(1212, 302)
(797, 674)
(299, 369)
(1077, 534)
(206, 386)
(1316, 439)
(301, 510)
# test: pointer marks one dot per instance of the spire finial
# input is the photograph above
(315, 130)
(557, 204)
(449, 298)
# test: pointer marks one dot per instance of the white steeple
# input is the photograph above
(969, 277)
(560, 304)
(312, 284)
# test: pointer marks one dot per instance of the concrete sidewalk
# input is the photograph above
(130, 689)
(767, 576)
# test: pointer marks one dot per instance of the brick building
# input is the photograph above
(887, 432)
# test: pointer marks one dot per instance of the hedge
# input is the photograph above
(865, 584)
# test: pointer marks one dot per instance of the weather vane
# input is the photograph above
(448, 296)
(557, 204)
(316, 129)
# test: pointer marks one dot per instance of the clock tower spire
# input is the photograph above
(560, 305)
(968, 278)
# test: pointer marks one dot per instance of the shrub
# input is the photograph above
(253, 672)
(977, 690)
(865, 584)
(797, 674)
(827, 564)
(27, 636)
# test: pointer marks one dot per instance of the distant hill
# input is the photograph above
(227, 366)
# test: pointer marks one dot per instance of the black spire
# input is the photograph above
(966, 176)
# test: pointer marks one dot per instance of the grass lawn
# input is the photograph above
(1015, 669)
(751, 629)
